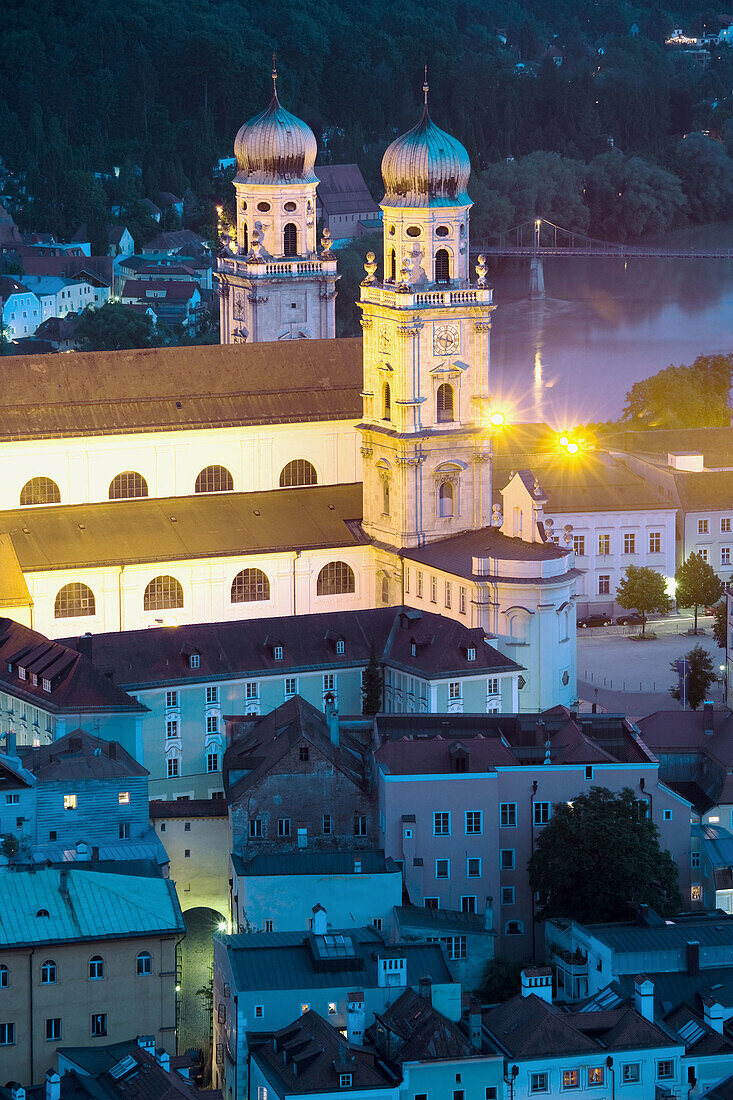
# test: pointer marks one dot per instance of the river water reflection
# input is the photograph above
(605, 324)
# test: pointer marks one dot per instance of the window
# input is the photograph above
(212, 695)
(124, 830)
(541, 813)
(171, 698)
(74, 601)
(212, 724)
(630, 1073)
(695, 857)
(441, 823)
(513, 928)
(12, 799)
(444, 403)
(305, 1007)
(171, 728)
(360, 825)
(447, 602)
(442, 868)
(194, 660)
(507, 814)
(259, 1012)
(335, 579)
(214, 479)
(290, 240)
(468, 903)
(283, 826)
(298, 472)
(604, 545)
(69, 801)
(123, 798)
(418, 591)
(665, 1069)
(492, 1092)
(53, 1029)
(724, 526)
(539, 1082)
(445, 501)
(704, 554)
(595, 1075)
(99, 1024)
(40, 490)
(344, 1080)
(579, 545)
(703, 527)
(252, 689)
(474, 823)
(96, 968)
(431, 903)
(340, 647)
(144, 964)
(127, 485)
(250, 586)
(329, 681)
(508, 895)
(327, 824)
(667, 815)
(696, 892)
(442, 266)
(725, 555)
(7, 1035)
(462, 600)
(386, 403)
(433, 590)
(470, 653)
(473, 867)
(455, 946)
(48, 972)
(172, 767)
(506, 859)
(604, 584)
(570, 1079)
(454, 690)
(187, 853)
(655, 542)
(291, 688)
(589, 771)
(212, 762)
(255, 826)
(162, 593)
(4, 976)
(629, 543)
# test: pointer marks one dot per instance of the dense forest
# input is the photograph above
(160, 87)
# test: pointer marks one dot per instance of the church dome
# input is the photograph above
(275, 147)
(425, 167)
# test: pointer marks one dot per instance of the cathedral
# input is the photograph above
(286, 471)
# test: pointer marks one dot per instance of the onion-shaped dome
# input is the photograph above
(425, 167)
(275, 147)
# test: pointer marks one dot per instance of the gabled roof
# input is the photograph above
(593, 481)
(79, 756)
(422, 1034)
(84, 905)
(170, 288)
(121, 1071)
(528, 1027)
(342, 190)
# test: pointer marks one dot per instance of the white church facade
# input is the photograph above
(286, 472)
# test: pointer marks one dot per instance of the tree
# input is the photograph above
(700, 675)
(598, 856)
(644, 589)
(500, 980)
(9, 846)
(720, 625)
(707, 176)
(373, 684)
(627, 196)
(114, 327)
(698, 585)
(683, 397)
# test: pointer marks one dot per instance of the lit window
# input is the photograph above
(724, 526)
(629, 543)
(725, 555)
(604, 545)
(704, 554)
(441, 823)
(331, 1008)
(250, 586)
(305, 1007)
(570, 1079)
(69, 801)
(123, 798)
(579, 545)
(595, 1075)
(702, 527)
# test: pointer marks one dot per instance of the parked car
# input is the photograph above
(595, 620)
(629, 618)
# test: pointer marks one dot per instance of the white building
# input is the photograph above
(59, 297)
(21, 309)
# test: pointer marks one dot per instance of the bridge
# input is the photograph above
(540, 238)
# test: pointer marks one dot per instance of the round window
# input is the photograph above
(413, 231)
(442, 231)
(391, 231)
(263, 206)
(290, 206)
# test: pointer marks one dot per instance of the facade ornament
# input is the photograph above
(367, 451)
(403, 287)
(481, 270)
(254, 256)
(326, 244)
(258, 300)
(481, 456)
(370, 266)
(496, 517)
(366, 322)
(482, 326)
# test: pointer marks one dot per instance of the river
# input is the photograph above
(605, 324)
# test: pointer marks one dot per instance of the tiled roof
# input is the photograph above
(79, 756)
(77, 686)
(172, 288)
(84, 905)
(439, 920)
(715, 930)
(181, 528)
(161, 809)
(70, 266)
(591, 482)
(528, 1027)
(700, 1040)
(240, 647)
(420, 1033)
(342, 190)
(671, 731)
(710, 490)
(456, 553)
(215, 385)
(121, 1071)
(315, 863)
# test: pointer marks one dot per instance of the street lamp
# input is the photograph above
(497, 419)
(510, 1078)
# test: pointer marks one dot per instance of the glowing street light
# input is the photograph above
(564, 440)
(572, 448)
(497, 419)
(222, 926)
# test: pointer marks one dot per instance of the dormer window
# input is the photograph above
(344, 1080)
(471, 653)
(34, 680)
(22, 675)
(340, 647)
(413, 649)
(277, 653)
(46, 684)
(194, 660)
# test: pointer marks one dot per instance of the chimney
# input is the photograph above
(707, 718)
(146, 1042)
(643, 915)
(537, 980)
(84, 645)
(693, 957)
(320, 924)
(355, 1017)
(714, 1014)
(644, 997)
(489, 914)
(474, 1023)
(332, 718)
(424, 987)
(163, 1058)
(53, 1086)
(17, 1092)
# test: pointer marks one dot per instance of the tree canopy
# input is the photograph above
(683, 397)
(698, 585)
(644, 589)
(598, 856)
(114, 327)
(700, 674)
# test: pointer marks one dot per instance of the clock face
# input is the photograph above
(445, 340)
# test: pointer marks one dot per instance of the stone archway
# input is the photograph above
(196, 962)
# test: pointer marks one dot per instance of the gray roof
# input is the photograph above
(715, 930)
(440, 920)
(286, 960)
(315, 863)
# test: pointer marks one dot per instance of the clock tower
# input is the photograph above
(425, 430)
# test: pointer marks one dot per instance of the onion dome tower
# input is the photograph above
(273, 283)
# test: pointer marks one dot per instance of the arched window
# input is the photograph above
(386, 402)
(249, 586)
(48, 972)
(298, 472)
(445, 403)
(385, 497)
(96, 968)
(161, 593)
(127, 485)
(445, 499)
(4, 976)
(40, 490)
(214, 479)
(335, 579)
(144, 963)
(392, 266)
(74, 600)
(245, 238)
(385, 589)
(442, 266)
(42, 913)
(290, 240)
